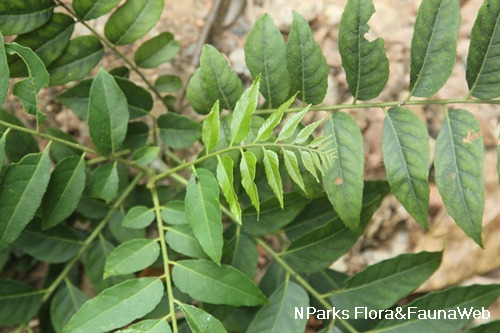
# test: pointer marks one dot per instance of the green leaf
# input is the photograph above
(343, 180)
(306, 63)
(405, 146)
(247, 170)
(108, 114)
(433, 46)
(138, 217)
(199, 320)
(18, 301)
(4, 68)
(242, 115)
(226, 182)
(59, 151)
(483, 62)
(245, 256)
(307, 160)
(278, 315)
(266, 130)
(48, 42)
(132, 20)
(17, 144)
(271, 167)
(145, 155)
(292, 167)
(168, 83)
(365, 62)
(80, 56)
(64, 191)
(174, 212)
(291, 125)
(117, 306)
(21, 191)
(205, 281)
(137, 135)
(403, 274)
(2, 149)
(459, 171)
(77, 98)
(306, 132)
(204, 215)
(131, 256)
(104, 182)
(210, 130)
(19, 17)
(139, 100)
(53, 246)
(91, 9)
(67, 300)
(123, 234)
(157, 50)
(181, 239)
(199, 100)
(491, 326)
(121, 71)
(148, 326)
(218, 80)
(265, 55)
(178, 131)
(475, 297)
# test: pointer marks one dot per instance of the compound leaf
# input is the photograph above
(459, 171)
(91, 9)
(242, 115)
(201, 321)
(226, 182)
(131, 256)
(178, 131)
(19, 17)
(157, 50)
(365, 62)
(433, 46)
(19, 302)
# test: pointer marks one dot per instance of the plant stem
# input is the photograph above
(95, 233)
(163, 244)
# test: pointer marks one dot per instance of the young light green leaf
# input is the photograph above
(132, 20)
(64, 191)
(226, 182)
(178, 131)
(404, 274)
(20, 17)
(266, 130)
(67, 300)
(278, 315)
(365, 62)
(138, 217)
(180, 238)
(18, 301)
(210, 130)
(205, 281)
(80, 56)
(405, 147)
(4, 68)
(343, 180)
(459, 171)
(104, 182)
(198, 98)
(168, 83)
(291, 124)
(48, 42)
(319, 141)
(307, 159)
(131, 256)
(306, 63)
(483, 62)
(457, 298)
(148, 326)
(157, 50)
(117, 306)
(21, 192)
(271, 167)
(433, 46)
(218, 79)
(242, 115)
(265, 55)
(91, 9)
(145, 155)
(201, 321)
(108, 113)
(204, 214)
(247, 170)
(306, 132)
(292, 167)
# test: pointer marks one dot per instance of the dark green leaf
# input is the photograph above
(123, 234)
(242, 115)
(18, 301)
(483, 61)
(459, 171)
(433, 46)
(139, 100)
(137, 135)
(200, 321)
(2, 149)
(148, 326)
(245, 255)
(59, 151)
(204, 214)
(306, 63)
(121, 71)
(133, 20)
(405, 146)
(178, 131)
(17, 144)
(131, 256)
(181, 239)
(21, 191)
(207, 282)
(108, 115)
(19, 17)
(80, 57)
(66, 302)
(365, 62)
(343, 180)
(4, 69)
(279, 314)
(226, 182)
(77, 98)
(199, 100)
(91, 9)
(265, 55)
(210, 130)
(491, 326)
(157, 50)
(117, 306)
(168, 83)
(104, 182)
